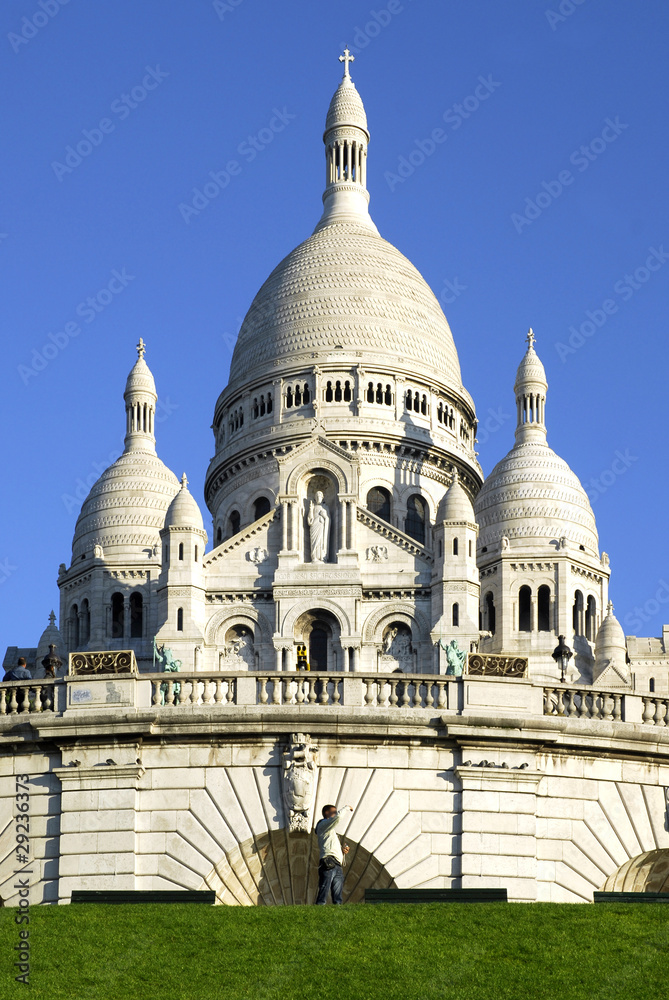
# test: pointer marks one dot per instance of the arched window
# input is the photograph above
(136, 615)
(261, 506)
(456, 615)
(470, 548)
(328, 393)
(423, 405)
(525, 609)
(166, 552)
(544, 608)
(85, 622)
(414, 523)
(181, 550)
(388, 396)
(180, 619)
(269, 402)
(590, 618)
(196, 553)
(338, 392)
(577, 613)
(651, 685)
(74, 625)
(289, 398)
(298, 395)
(490, 612)
(233, 523)
(370, 392)
(118, 623)
(379, 392)
(378, 501)
(306, 396)
(219, 535)
(409, 399)
(455, 546)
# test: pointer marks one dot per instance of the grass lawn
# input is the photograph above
(447, 951)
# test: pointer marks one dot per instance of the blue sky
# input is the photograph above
(545, 205)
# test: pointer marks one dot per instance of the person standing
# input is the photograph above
(18, 673)
(331, 856)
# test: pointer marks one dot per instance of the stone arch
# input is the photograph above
(397, 611)
(228, 617)
(287, 626)
(248, 504)
(296, 476)
(648, 872)
(280, 869)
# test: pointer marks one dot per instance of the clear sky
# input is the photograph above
(544, 205)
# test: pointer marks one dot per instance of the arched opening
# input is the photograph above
(456, 615)
(651, 685)
(414, 523)
(219, 535)
(238, 649)
(118, 616)
(196, 553)
(85, 622)
(378, 502)
(577, 613)
(319, 631)
(233, 523)
(261, 506)
(544, 608)
(180, 619)
(455, 546)
(181, 551)
(590, 618)
(490, 612)
(249, 875)
(525, 609)
(136, 615)
(75, 638)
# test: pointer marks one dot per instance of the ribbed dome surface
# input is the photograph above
(610, 636)
(346, 107)
(184, 512)
(456, 505)
(530, 369)
(140, 378)
(126, 507)
(346, 286)
(532, 493)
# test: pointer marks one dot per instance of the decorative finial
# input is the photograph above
(141, 348)
(184, 482)
(346, 59)
(609, 608)
(52, 618)
(530, 338)
(456, 476)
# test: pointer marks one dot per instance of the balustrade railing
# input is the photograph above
(27, 697)
(584, 703)
(655, 711)
(176, 689)
(300, 689)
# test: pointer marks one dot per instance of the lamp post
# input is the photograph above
(562, 654)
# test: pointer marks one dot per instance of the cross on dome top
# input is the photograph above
(530, 337)
(346, 59)
(141, 348)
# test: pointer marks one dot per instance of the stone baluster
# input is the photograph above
(442, 689)
(405, 694)
(617, 707)
(417, 695)
(583, 709)
(647, 716)
(218, 693)
(311, 688)
(548, 704)
(299, 694)
(169, 694)
(324, 696)
(658, 715)
(393, 692)
(263, 695)
(560, 701)
(336, 695)
(429, 700)
(155, 688)
(194, 692)
(276, 690)
(232, 690)
(369, 692)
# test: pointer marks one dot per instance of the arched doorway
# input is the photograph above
(319, 631)
(647, 872)
(281, 869)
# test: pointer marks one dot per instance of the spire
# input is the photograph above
(184, 481)
(530, 388)
(140, 405)
(345, 198)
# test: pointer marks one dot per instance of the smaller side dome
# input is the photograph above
(50, 637)
(456, 505)
(184, 512)
(530, 370)
(346, 107)
(611, 649)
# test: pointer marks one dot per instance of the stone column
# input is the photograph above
(285, 509)
(499, 829)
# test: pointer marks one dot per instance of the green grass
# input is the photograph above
(414, 952)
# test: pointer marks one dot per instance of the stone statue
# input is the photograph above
(239, 651)
(300, 774)
(318, 519)
(397, 647)
(455, 657)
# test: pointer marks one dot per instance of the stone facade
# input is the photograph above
(351, 528)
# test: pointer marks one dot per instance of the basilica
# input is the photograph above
(360, 589)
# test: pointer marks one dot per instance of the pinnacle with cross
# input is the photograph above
(141, 348)
(530, 337)
(184, 482)
(346, 59)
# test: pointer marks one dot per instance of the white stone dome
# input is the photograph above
(346, 107)
(346, 287)
(126, 507)
(456, 505)
(532, 493)
(184, 512)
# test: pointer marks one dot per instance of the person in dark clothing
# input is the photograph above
(18, 673)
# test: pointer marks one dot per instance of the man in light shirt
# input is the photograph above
(331, 854)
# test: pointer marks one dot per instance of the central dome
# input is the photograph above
(346, 287)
